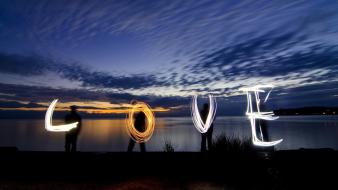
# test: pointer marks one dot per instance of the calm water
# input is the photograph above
(103, 135)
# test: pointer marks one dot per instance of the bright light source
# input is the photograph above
(136, 135)
(196, 117)
(56, 128)
(258, 115)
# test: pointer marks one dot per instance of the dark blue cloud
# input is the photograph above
(35, 65)
(324, 94)
(258, 64)
(208, 46)
(45, 94)
(16, 104)
(23, 65)
(105, 80)
(11, 104)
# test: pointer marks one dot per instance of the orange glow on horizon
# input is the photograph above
(86, 110)
(89, 107)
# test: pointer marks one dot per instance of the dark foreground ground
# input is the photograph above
(299, 169)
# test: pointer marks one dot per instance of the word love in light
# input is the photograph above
(252, 115)
(136, 135)
(56, 128)
(200, 125)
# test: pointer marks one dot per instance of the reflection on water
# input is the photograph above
(103, 135)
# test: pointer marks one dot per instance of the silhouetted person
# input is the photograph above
(206, 137)
(264, 125)
(264, 128)
(71, 135)
(139, 123)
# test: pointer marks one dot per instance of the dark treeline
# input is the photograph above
(308, 111)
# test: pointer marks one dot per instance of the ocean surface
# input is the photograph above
(109, 135)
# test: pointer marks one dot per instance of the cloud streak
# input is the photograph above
(35, 65)
(207, 46)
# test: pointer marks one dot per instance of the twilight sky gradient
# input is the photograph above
(102, 54)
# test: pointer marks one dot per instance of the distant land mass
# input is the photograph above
(20, 114)
(308, 111)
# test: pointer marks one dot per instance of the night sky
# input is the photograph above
(100, 55)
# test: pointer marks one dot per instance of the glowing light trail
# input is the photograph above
(259, 115)
(136, 135)
(56, 128)
(196, 117)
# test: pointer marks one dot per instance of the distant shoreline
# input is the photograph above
(307, 111)
(303, 111)
(158, 117)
